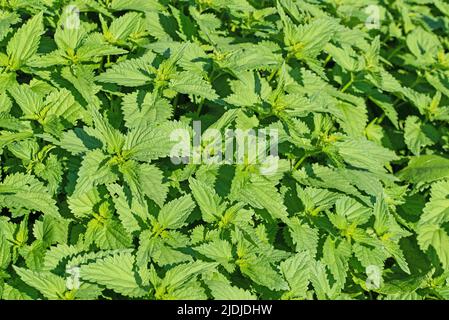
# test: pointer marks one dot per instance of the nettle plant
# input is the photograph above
(99, 198)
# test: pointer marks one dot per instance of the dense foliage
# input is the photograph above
(93, 206)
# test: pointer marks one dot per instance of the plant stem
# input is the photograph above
(328, 58)
(394, 52)
(298, 163)
(348, 84)
(272, 74)
(381, 118)
(200, 107)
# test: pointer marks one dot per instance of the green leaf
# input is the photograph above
(94, 170)
(152, 183)
(296, 271)
(424, 169)
(116, 273)
(174, 214)
(261, 272)
(122, 27)
(336, 255)
(140, 112)
(190, 83)
(29, 101)
(5, 252)
(320, 281)
(219, 251)
(140, 5)
(25, 42)
(107, 234)
(423, 44)
(25, 191)
(159, 251)
(304, 236)
(352, 210)
(148, 143)
(177, 276)
(50, 285)
(145, 179)
(210, 203)
(262, 194)
(430, 228)
(129, 73)
(418, 135)
(374, 157)
(224, 291)
(51, 230)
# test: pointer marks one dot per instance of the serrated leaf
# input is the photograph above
(174, 214)
(25, 42)
(426, 168)
(116, 273)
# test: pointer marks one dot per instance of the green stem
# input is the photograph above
(298, 163)
(394, 52)
(214, 75)
(400, 104)
(328, 58)
(381, 118)
(272, 74)
(348, 84)
(200, 107)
